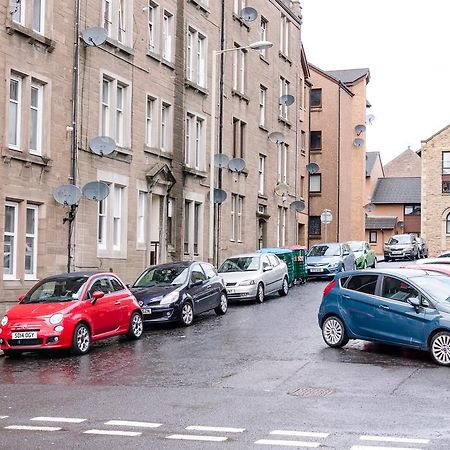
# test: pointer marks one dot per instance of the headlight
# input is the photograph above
(333, 265)
(4, 321)
(170, 298)
(247, 283)
(56, 318)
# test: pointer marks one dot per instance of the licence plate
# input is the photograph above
(315, 270)
(146, 310)
(231, 291)
(396, 252)
(24, 335)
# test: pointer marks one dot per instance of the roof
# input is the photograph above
(397, 190)
(406, 164)
(350, 76)
(436, 134)
(380, 222)
(371, 157)
(332, 79)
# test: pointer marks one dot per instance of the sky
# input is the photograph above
(406, 46)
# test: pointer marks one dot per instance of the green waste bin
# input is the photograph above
(299, 261)
(286, 255)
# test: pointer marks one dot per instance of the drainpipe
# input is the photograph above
(338, 208)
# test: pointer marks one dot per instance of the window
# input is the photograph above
(105, 107)
(447, 223)
(314, 226)
(446, 172)
(363, 283)
(196, 54)
(282, 162)
(195, 142)
(117, 20)
(413, 210)
(187, 207)
(193, 214)
(36, 119)
(238, 6)
(38, 16)
(284, 35)
(18, 11)
(239, 57)
(239, 132)
(197, 273)
(167, 35)
(119, 114)
(150, 122)
(303, 142)
(165, 126)
(284, 90)
(15, 102)
(141, 212)
(117, 216)
(261, 168)
(262, 105)
(153, 22)
(316, 98)
(196, 227)
(373, 236)
(281, 226)
(31, 235)
(396, 289)
(170, 221)
(102, 218)
(263, 33)
(117, 286)
(237, 209)
(315, 183)
(316, 140)
(209, 270)
(10, 241)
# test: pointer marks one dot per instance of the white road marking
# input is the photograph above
(218, 429)
(192, 437)
(4, 417)
(59, 419)
(31, 428)
(369, 447)
(394, 439)
(130, 423)
(300, 433)
(288, 443)
(114, 432)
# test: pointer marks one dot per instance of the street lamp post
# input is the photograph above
(260, 45)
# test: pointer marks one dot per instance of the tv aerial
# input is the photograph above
(286, 100)
(102, 145)
(219, 196)
(236, 165)
(297, 206)
(281, 189)
(370, 118)
(360, 129)
(67, 194)
(358, 142)
(95, 36)
(312, 167)
(96, 190)
(221, 160)
(276, 137)
(400, 223)
(249, 14)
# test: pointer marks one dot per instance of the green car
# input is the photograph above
(364, 255)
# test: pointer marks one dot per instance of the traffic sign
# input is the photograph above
(326, 217)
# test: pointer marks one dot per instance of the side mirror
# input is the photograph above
(21, 298)
(196, 282)
(266, 268)
(96, 295)
(415, 302)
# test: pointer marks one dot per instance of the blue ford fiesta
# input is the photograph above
(405, 307)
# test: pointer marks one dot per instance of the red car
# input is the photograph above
(70, 311)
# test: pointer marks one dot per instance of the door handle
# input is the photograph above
(346, 296)
(384, 307)
(117, 302)
(209, 286)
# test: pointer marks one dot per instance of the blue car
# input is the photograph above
(325, 260)
(405, 307)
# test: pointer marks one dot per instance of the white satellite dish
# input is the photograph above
(67, 194)
(221, 160)
(370, 118)
(236, 165)
(96, 190)
(249, 14)
(297, 206)
(281, 189)
(369, 207)
(95, 36)
(276, 137)
(312, 167)
(358, 142)
(286, 100)
(102, 145)
(360, 129)
(219, 196)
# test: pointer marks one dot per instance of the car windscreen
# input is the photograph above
(356, 246)
(163, 276)
(243, 264)
(435, 285)
(399, 240)
(325, 250)
(54, 290)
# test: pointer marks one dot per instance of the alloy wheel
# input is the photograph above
(441, 349)
(223, 303)
(187, 315)
(136, 325)
(260, 294)
(83, 339)
(332, 331)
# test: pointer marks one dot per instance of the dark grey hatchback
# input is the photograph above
(177, 292)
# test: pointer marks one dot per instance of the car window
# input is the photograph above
(209, 270)
(343, 280)
(102, 285)
(56, 289)
(197, 273)
(116, 284)
(265, 261)
(273, 260)
(397, 289)
(325, 250)
(363, 283)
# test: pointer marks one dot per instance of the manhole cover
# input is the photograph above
(311, 392)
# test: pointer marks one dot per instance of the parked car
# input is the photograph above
(71, 311)
(423, 247)
(364, 255)
(254, 275)
(434, 261)
(406, 307)
(401, 246)
(445, 254)
(325, 260)
(179, 291)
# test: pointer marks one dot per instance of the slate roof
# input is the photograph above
(380, 222)
(397, 190)
(371, 157)
(349, 75)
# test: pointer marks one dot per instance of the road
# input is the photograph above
(258, 377)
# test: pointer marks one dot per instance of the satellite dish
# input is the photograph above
(67, 194)
(102, 145)
(297, 206)
(360, 129)
(96, 190)
(236, 165)
(93, 37)
(312, 168)
(276, 137)
(358, 142)
(370, 118)
(249, 14)
(400, 223)
(286, 100)
(369, 207)
(281, 189)
(221, 160)
(219, 196)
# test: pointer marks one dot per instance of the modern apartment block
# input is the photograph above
(148, 87)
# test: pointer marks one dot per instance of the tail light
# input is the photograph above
(328, 288)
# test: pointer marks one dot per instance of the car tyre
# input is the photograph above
(284, 288)
(365, 264)
(386, 258)
(440, 348)
(136, 326)
(81, 340)
(222, 308)
(187, 314)
(374, 263)
(260, 293)
(333, 332)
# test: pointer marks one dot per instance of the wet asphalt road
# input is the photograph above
(258, 369)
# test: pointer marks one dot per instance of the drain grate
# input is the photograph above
(311, 392)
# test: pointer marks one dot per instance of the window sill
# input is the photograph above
(315, 194)
(315, 150)
(155, 56)
(124, 150)
(195, 172)
(158, 152)
(263, 59)
(262, 127)
(262, 196)
(13, 27)
(200, 5)
(284, 121)
(316, 108)
(168, 64)
(118, 47)
(196, 87)
(26, 158)
(241, 21)
(285, 57)
(240, 95)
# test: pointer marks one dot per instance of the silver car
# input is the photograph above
(253, 276)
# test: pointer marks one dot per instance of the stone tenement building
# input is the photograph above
(148, 86)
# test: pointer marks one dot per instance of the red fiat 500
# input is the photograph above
(71, 311)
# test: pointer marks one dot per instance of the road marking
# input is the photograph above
(31, 428)
(218, 429)
(130, 423)
(114, 432)
(369, 447)
(394, 439)
(59, 419)
(288, 443)
(300, 433)
(4, 417)
(192, 437)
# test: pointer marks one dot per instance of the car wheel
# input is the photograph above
(260, 293)
(12, 353)
(440, 348)
(333, 332)
(386, 258)
(222, 308)
(81, 341)
(187, 314)
(374, 263)
(136, 326)
(365, 264)
(284, 288)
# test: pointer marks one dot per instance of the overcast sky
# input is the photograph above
(406, 46)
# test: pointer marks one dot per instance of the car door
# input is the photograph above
(274, 276)
(198, 289)
(123, 299)
(213, 284)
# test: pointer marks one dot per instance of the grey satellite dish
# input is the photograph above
(276, 137)
(360, 129)
(102, 145)
(370, 118)
(96, 190)
(286, 100)
(219, 196)
(369, 207)
(312, 167)
(221, 160)
(236, 165)
(297, 206)
(281, 189)
(358, 142)
(249, 14)
(67, 194)
(400, 224)
(93, 37)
